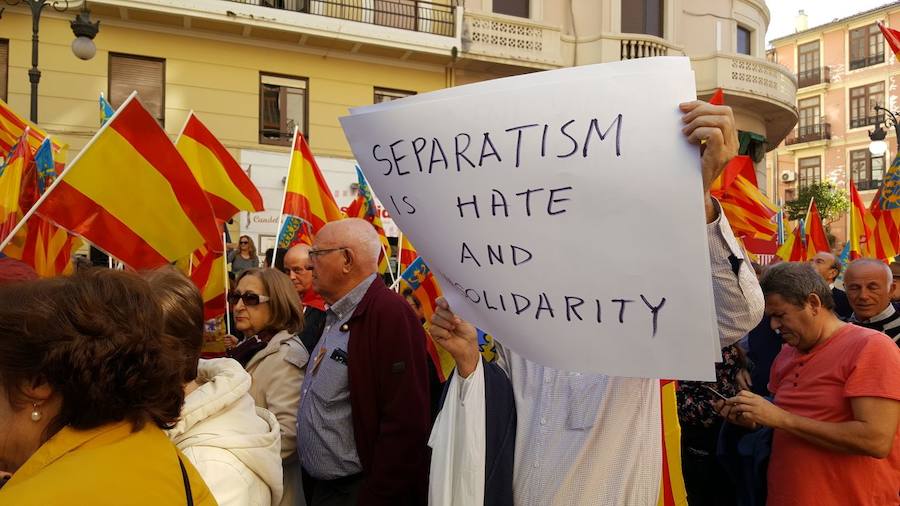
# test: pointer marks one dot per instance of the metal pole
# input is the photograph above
(34, 75)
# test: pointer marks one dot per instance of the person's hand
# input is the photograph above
(230, 341)
(728, 412)
(457, 336)
(755, 409)
(712, 128)
(743, 379)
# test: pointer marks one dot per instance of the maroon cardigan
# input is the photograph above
(389, 399)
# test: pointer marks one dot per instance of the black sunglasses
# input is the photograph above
(249, 298)
(244, 242)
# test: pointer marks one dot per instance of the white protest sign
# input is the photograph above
(562, 214)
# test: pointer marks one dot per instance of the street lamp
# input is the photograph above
(878, 146)
(83, 46)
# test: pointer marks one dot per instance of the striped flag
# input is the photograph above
(672, 491)
(106, 110)
(227, 186)
(893, 38)
(12, 127)
(816, 239)
(364, 207)
(860, 233)
(130, 193)
(307, 195)
(407, 253)
(890, 188)
(748, 210)
(12, 174)
(884, 224)
(208, 274)
(793, 249)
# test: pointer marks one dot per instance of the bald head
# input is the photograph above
(344, 253)
(869, 284)
(827, 265)
(299, 268)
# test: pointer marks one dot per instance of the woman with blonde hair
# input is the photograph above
(244, 257)
(267, 309)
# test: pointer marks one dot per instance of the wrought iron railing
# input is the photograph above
(814, 76)
(866, 61)
(810, 132)
(415, 15)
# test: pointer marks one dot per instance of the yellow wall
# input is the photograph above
(217, 76)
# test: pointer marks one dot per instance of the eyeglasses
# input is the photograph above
(244, 242)
(249, 298)
(314, 254)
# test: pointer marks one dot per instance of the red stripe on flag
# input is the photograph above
(197, 131)
(221, 207)
(301, 205)
(154, 146)
(74, 211)
(214, 308)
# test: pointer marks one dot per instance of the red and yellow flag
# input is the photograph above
(893, 38)
(672, 491)
(307, 195)
(131, 194)
(749, 212)
(208, 274)
(227, 186)
(860, 231)
(12, 175)
(408, 253)
(13, 126)
(792, 250)
(816, 239)
(364, 207)
(885, 229)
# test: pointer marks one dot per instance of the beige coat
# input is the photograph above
(277, 371)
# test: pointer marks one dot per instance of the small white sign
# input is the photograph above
(561, 212)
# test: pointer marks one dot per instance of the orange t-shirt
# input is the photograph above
(854, 362)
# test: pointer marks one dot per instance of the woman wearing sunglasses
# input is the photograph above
(267, 308)
(244, 257)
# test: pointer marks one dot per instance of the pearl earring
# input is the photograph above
(35, 414)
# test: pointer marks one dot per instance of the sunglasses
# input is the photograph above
(249, 298)
(244, 242)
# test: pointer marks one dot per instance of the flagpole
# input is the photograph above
(388, 259)
(183, 126)
(287, 179)
(399, 250)
(227, 306)
(59, 179)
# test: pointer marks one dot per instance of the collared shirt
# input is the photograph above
(592, 439)
(887, 322)
(325, 439)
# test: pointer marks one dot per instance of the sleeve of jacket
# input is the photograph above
(400, 467)
(739, 300)
(223, 476)
(283, 392)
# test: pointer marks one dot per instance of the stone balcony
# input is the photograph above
(509, 40)
(767, 88)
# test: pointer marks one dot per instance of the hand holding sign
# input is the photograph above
(713, 127)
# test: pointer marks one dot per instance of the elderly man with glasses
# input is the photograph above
(364, 413)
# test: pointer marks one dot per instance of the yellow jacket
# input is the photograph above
(106, 466)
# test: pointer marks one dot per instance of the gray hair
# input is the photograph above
(873, 261)
(794, 282)
(361, 236)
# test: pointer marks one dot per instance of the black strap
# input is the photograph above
(187, 483)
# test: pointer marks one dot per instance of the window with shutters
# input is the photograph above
(283, 102)
(866, 170)
(4, 68)
(866, 47)
(810, 171)
(386, 94)
(143, 74)
(643, 16)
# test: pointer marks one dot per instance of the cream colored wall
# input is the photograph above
(216, 76)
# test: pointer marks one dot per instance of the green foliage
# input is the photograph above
(831, 201)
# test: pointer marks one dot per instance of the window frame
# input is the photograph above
(855, 122)
(805, 130)
(390, 92)
(803, 179)
(749, 31)
(109, 94)
(645, 17)
(871, 36)
(867, 159)
(304, 128)
(528, 9)
(806, 75)
(4, 79)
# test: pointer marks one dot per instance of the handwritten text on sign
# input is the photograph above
(561, 213)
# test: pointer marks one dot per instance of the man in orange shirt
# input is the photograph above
(837, 400)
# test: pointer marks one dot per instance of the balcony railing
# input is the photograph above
(415, 15)
(808, 133)
(632, 48)
(867, 184)
(864, 121)
(812, 77)
(868, 61)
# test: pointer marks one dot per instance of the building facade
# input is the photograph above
(252, 70)
(843, 69)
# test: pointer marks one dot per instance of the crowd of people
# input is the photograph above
(327, 395)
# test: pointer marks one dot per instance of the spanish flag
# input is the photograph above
(227, 186)
(816, 239)
(672, 491)
(893, 39)
(130, 193)
(860, 232)
(793, 250)
(208, 274)
(307, 195)
(13, 126)
(364, 207)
